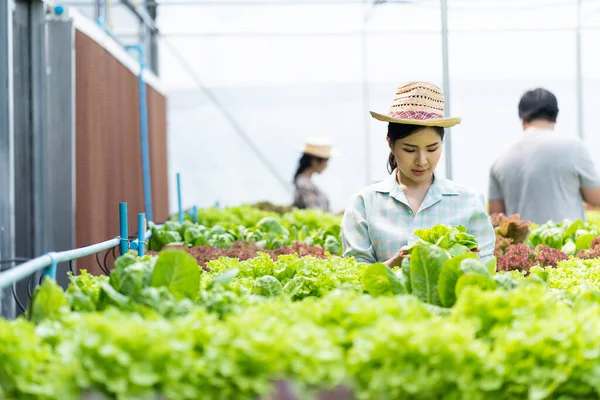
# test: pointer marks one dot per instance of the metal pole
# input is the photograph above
(447, 138)
(365, 94)
(31, 138)
(179, 208)
(146, 173)
(24, 270)
(141, 233)
(123, 229)
(7, 181)
(24, 138)
(153, 58)
(55, 176)
(41, 123)
(144, 138)
(579, 73)
(141, 13)
(25, 230)
(97, 9)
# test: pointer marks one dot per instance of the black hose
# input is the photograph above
(100, 264)
(14, 292)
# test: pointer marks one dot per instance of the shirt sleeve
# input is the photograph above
(481, 227)
(355, 233)
(588, 175)
(495, 192)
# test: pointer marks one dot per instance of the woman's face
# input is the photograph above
(418, 154)
(319, 165)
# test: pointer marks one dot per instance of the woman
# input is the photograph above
(381, 218)
(315, 157)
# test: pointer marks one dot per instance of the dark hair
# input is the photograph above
(401, 131)
(538, 104)
(305, 162)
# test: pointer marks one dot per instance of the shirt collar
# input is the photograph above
(439, 188)
(444, 186)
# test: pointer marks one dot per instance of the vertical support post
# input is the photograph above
(25, 230)
(141, 233)
(579, 73)
(365, 94)
(153, 58)
(145, 146)
(179, 208)
(63, 125)
(106, 12)
(97, 9)
(195, 214)
(54, 152)
(123, 230)
(7, 179)
(30, 135)
(144, 134)
(50, 272)
(447, 104)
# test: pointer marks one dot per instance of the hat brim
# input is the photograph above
(332, 154)
(441, 122)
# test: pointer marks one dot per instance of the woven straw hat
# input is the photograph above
(418, 103)
(319, 146)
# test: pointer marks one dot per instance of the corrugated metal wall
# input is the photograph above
(108, 155)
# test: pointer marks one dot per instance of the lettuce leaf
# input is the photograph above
(425, 267)
(378, 279)
(179, 272)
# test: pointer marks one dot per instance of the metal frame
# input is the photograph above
(147, 17)
(38, 101)
(7, 184)
(446, 74)
(153, 45)
(179, 207)
(57, 148)
(365, 90)
(48, 262)
(141, 13)
(25, 230)
(579, 72)
(143, 106)
(29, 61)
(147, 30)
(368, 9)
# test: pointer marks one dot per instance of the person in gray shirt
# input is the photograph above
(543, 176)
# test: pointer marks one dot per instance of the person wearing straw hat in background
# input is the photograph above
(315, 157)
(379, 222)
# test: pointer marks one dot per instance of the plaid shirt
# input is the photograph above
(379, 221)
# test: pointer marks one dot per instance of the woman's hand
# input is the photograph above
(396, 261)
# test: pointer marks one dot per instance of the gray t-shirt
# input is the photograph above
(541, 176)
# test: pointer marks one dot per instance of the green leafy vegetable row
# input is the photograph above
(569, 237)
(445, 325)
(521, 343)
(268, 233)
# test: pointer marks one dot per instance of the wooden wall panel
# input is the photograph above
(108, 151)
